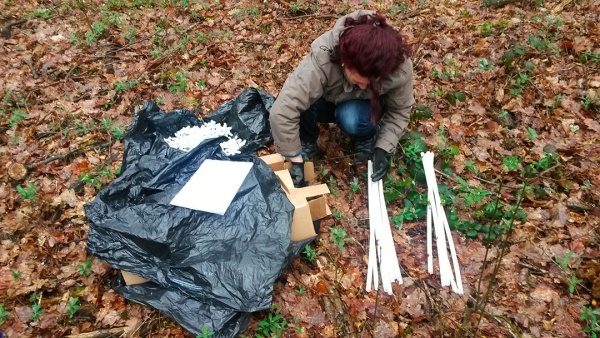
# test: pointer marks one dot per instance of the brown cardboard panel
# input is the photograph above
(309, 170)
(302, 226)
(302, 220)
(275, 161)
(286, 180)
(312, 190)
(319, 208)
(131, 279)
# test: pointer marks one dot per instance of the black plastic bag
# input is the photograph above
(248, 116)
(213, 265)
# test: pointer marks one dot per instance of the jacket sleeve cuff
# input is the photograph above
(385, 145)
(289, 149)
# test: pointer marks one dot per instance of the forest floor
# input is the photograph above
(507, 98)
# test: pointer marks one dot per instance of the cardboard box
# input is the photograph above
(310, 203)
(131, 279)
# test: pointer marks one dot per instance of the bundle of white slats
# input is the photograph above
(438, 223)
(382, 251)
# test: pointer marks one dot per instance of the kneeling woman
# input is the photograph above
(357, 75)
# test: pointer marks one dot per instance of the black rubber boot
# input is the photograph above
(364, 149)
(310, 149)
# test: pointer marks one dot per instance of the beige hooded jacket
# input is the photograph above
(317, 77)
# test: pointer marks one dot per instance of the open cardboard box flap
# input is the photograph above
(309, 202)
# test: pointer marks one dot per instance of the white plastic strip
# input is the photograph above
(382, 249)
(372, 273)
(437, 216)
(429, 241)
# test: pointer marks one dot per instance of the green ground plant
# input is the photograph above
(487, 28)
(27, 192)
(118, 132)
(563, 263)
(130, 35)
(90, 179)
(354, 187)
(205, 333)
(590, 316)
(421, 112)
(338, 237)
(72, 306)
(449, 71)
(201, 84)
(36, 306)
(592, 56)
(122, 86)
(83, 128)
(41, 13)
(272, 325)
(180, 83)
(3, 314)
(309, 253)
(18, 115)
(332, 184)
(85, 269)
(95, 33)
(519, 84)
(398, 8)
(484, 65)
(337, 215)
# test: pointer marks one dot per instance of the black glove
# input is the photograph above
(297, 173)
(381, 164)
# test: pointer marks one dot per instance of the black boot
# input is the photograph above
(310, 149)
(364, 148)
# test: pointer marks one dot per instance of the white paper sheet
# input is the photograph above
(213, 186)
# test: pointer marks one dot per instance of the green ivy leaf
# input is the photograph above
(472, 233)
(451, 99)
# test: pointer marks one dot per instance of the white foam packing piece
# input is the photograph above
(187, 138)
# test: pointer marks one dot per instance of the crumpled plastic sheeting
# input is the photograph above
(248, 117)
(218, 267)
(187, 310)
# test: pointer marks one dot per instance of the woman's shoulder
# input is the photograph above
(399, 77)
(404, 71)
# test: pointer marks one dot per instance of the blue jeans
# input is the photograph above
(353, 117)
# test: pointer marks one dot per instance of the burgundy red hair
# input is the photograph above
(374, 49)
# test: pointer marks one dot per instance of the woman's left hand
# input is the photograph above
(381, 164)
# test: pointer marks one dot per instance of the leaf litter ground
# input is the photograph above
(517, 82)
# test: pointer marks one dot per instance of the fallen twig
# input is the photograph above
(255, 42)
(316, 16)
(533, 267)
(6, 33)
(53, 158)
(560, 6)
(100, 333)
(414, 13)
(497, 3)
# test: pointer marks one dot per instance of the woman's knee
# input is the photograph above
(354, 118)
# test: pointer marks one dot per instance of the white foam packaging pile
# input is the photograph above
(187, 138)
